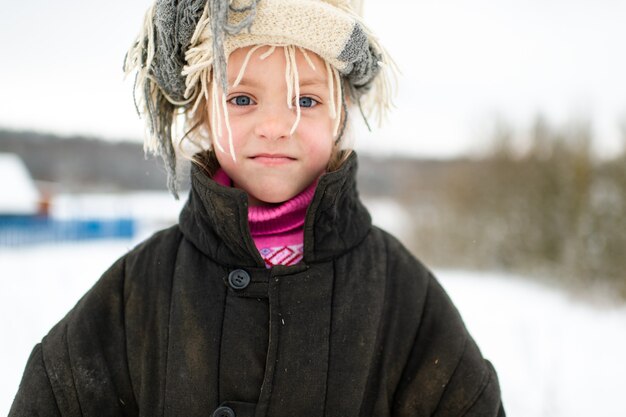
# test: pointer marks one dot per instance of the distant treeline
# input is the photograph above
(80, 163)
(551, 209)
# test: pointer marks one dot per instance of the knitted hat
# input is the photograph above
(181, 53)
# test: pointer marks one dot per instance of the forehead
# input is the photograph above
(258, 60)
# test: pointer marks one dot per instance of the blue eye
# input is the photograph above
(241, 101)
(308, 102)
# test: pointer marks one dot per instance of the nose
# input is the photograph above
(274, 123)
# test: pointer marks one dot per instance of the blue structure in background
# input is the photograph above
(28, 230)
(24, 211)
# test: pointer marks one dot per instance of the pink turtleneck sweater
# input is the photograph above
(277, 231)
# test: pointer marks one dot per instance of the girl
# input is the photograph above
(274, 296)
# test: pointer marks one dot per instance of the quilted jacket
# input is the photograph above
(190, 323)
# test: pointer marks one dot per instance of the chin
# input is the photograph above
(272, 199)
(265, 197)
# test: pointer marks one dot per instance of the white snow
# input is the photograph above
(18, 194)
(555, 355)
(148, 206)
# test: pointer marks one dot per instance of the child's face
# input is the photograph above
(272, 165)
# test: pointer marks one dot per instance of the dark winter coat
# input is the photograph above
(191, 321)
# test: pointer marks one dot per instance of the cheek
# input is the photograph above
(226, 162)
(320, 151)
(317, 134)
(238, 135)
(318, 146)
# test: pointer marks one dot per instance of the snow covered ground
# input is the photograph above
(556, 356)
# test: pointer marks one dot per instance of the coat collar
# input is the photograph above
(215, 219)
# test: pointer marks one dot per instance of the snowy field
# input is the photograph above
(556, 356)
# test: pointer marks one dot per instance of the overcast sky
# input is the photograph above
(464, 64)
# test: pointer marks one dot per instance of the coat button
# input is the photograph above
(224, 412)
(238, 279)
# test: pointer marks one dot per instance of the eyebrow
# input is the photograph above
(246, 82)
(305, 82)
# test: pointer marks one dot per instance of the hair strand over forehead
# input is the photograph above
(219, 108)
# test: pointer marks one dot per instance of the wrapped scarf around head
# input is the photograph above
(185, 44)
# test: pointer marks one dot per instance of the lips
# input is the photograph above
(272, 159)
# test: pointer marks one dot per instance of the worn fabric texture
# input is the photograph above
(358, 328)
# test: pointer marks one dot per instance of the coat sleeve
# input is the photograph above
(35, 396)
(446, 374)
(80, 367)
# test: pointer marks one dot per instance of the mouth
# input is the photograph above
(272, 159)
